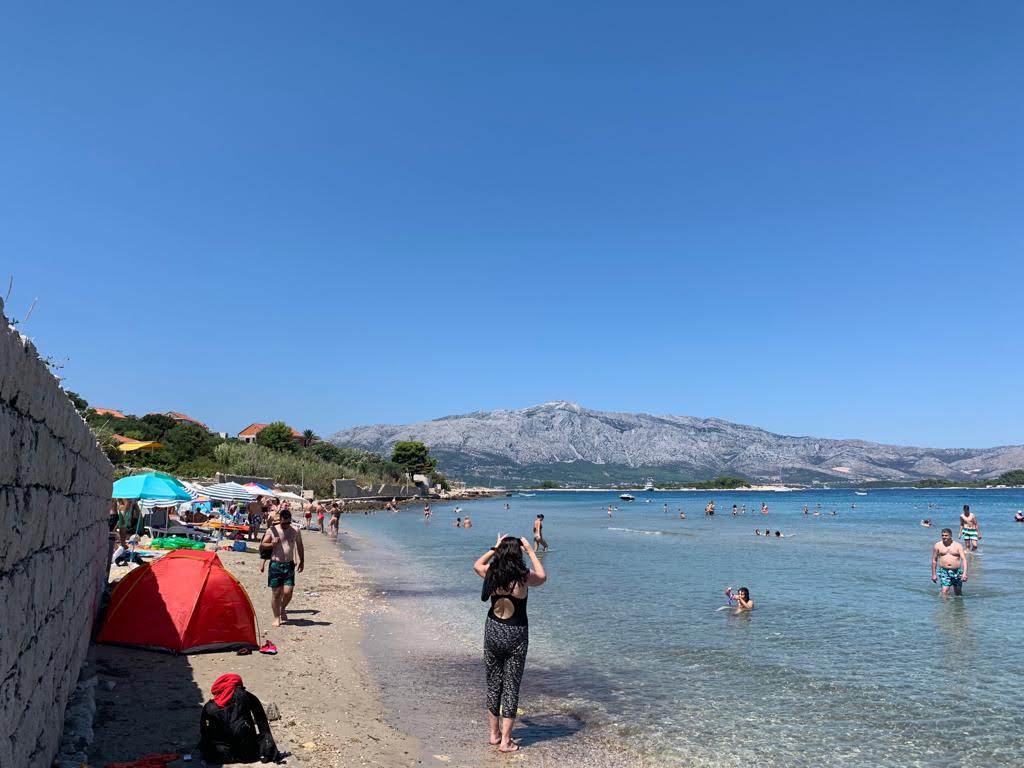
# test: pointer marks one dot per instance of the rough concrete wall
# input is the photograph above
(55, 486)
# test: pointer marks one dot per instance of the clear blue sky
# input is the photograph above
(802, 216)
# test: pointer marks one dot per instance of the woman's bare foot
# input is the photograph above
(510, 747)
(276, 622)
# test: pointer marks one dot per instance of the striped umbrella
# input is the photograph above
(190, 488)
(227, 492)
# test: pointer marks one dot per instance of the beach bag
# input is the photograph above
(227, 734)
(267, 550)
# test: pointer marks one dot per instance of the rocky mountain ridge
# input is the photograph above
(566, 442)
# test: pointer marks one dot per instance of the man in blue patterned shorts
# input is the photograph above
(949, 563)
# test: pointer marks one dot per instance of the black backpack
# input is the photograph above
(237, 732)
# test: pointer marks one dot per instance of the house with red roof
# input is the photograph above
(183, 418)
(248, 435)
(112, 412)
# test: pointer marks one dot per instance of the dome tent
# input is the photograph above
(185, 602)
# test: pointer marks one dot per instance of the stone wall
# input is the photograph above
(55, 486)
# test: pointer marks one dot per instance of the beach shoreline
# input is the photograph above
(411, 652)
(332, 712)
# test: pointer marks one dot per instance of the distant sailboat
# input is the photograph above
(861, 493)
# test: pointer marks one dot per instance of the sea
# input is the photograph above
(850, 657)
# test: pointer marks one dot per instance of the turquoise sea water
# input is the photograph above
(850, 658)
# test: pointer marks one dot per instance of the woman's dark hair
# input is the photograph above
(506, 568)
(745, 592)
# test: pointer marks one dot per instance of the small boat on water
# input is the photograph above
(527, 495)
(649, 485)
(627, 497)
(861, 493)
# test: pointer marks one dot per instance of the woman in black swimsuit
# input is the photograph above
(506, 630)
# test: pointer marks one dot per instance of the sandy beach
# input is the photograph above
(331, 711)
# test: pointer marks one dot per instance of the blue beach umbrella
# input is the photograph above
(150, 485)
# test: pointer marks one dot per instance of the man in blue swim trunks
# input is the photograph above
(949, 564)
(287, 543)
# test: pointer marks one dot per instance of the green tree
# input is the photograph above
(187, 442)
(159, 423)
(548, 485)
(277, 435)
(308, 437)
(77, 400)
(414, 456)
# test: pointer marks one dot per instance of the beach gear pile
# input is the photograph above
(234, 727)
(175, 542)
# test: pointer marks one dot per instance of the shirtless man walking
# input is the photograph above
(970, 530)
(287, 543)
(538, 534)
(949, 563)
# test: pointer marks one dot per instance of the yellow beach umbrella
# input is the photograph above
(140, 445)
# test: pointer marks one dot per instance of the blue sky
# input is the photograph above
(802, 216)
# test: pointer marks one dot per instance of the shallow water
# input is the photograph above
(850, 657)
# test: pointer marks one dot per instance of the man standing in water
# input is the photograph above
(949, 563)
(970, 530)
(538, 534)
(287, 543)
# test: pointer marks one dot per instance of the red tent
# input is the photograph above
(185, 602)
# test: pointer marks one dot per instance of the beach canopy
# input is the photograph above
(150, 485)
(185, 602)
(288, 495)
(139, 445)
(227, 492)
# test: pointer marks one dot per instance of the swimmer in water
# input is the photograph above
(735, 510)
(757, 531)
(743, 601)
(682, 515)
(458, 522)
(466, 522)
(805, 509)
(1019, 517)
(609, 510)
(970, 529)
(949, 564)
(927, 522)
(764, 508)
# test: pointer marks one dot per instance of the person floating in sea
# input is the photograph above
(949, 564)
(764, 508)
(927, 522)
(426, 512)
(507, 580)
(970, 529)
(538, 534)
(609, 510)
(805, 509)
(710, 508)
(458, 522)
(1019, 517)
(740, 599)
(466, 522)
(735, 510)
(682, 515)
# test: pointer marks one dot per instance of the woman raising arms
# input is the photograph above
(507, 580)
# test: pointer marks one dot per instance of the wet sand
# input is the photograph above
(332, 713)
(433, 685)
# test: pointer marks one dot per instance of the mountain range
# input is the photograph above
(569, 444)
